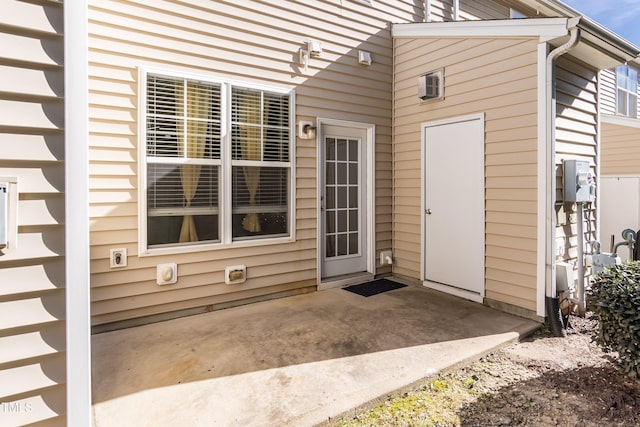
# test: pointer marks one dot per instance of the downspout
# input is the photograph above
(552, 301)
(456, 10)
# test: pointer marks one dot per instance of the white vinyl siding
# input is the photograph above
(607, 93)
(33, 351)
(255, 43)
(576, 138)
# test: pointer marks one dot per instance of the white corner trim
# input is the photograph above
(545, 28)
(620, 120)
(77, 292)
(542, 174)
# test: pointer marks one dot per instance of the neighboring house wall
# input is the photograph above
(32, 276)
(497, 77)
(253, 42)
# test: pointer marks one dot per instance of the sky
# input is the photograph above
(620, 16)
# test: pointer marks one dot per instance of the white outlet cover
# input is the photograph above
(113, 257)
(167, 274)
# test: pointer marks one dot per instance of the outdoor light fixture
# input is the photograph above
(314, 48)
(306, 130)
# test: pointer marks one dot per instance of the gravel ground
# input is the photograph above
(542, 381)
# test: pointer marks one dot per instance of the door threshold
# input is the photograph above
(452, 290)
(345, 280)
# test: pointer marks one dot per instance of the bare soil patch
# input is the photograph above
(541, 381)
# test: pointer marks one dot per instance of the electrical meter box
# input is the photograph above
(4, 213)
(579, 182)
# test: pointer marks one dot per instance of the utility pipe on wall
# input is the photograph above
(427, 10)
(456, 10)
(552, 302)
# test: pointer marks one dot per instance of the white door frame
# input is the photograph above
(369, 227)
(440, 287)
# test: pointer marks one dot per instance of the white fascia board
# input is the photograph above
(544, 28)
(620, 120)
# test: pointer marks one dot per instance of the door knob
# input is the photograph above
(428, 211)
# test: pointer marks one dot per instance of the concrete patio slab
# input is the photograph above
(292, 361)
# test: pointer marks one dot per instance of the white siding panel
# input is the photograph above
(576, 121)
(607, 91)
(32, 307)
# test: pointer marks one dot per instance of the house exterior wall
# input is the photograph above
(576, 138)
(32, 275)
(497, 77)
(620, 149)
(252, 42)
(443, 10)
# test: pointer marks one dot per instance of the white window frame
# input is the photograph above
(226, 164)
(627, 93)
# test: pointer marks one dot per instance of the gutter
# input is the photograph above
(552, 302)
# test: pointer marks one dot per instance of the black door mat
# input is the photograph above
(373, 288)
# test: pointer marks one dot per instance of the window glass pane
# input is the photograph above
(342, 198)
(633, 80)
(622, 102)
(330, 246)
(621, 76)
(342, 149)
(330, 172)
(342, 244)
(182, 203)
(260, 125)
(342, 221)
(633, 106)
(331, 222)
(260, 201)
(353, 243)
(331, 148)
(182, 124)
(353, 150)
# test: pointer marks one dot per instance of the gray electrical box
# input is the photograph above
(4, 214)
(579, 182)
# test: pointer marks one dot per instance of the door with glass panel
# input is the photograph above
(343, 204)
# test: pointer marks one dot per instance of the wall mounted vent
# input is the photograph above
(431, 85)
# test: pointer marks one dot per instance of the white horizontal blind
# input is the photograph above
(260, 140)
(183, 159)
(185, 175)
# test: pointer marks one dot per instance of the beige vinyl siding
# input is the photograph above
(32, 276)
(620, 153)
(251, 42)
(497, 77)
(576, 138)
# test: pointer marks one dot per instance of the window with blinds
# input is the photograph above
(185, 158)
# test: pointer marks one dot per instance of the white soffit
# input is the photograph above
(544, 28)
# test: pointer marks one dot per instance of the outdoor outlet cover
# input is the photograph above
(167, 274)
(118, 258)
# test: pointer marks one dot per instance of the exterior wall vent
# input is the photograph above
(431, 85)
(235, 274)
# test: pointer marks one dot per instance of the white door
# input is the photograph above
(343, 205)
(454, 205)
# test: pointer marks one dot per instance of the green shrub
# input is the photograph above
(614, 298)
